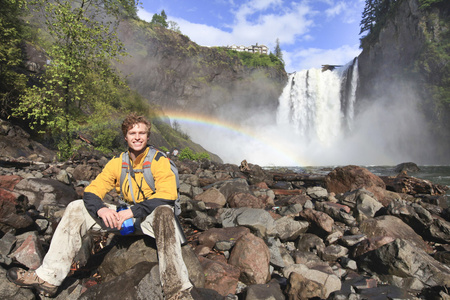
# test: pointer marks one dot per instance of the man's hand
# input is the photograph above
(109, 216)
(124, 215)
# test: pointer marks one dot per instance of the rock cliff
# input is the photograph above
(407, 58)
(177, 74)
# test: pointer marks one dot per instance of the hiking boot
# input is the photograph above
(29, 279)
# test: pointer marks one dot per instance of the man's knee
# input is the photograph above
(163, 211)
(75, 205)
(163, 217)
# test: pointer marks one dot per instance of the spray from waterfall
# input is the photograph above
(316, 123)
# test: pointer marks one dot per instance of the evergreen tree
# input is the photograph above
(278, 52)
(160, 19)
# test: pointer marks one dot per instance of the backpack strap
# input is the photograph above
(148, 176)
(146, 169)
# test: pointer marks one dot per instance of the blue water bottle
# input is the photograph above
(127, 225)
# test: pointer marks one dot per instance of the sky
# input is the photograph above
(310, 32)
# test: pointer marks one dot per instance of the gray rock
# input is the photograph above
(258, 221)
(7, 242)
(9, 290)
(140, 282)
(270, 291)
(41, 191)
(324, 276)
(403, 259)
(317, 192)
(288, 229)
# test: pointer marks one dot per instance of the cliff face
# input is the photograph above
(410, 57)
(177, 74)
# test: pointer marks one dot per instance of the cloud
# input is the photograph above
(301, 59)
(264, 21)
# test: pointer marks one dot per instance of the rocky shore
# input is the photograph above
(252, 234)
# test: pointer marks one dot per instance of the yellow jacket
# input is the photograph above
(109, 178)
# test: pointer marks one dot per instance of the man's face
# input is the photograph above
(137, 137)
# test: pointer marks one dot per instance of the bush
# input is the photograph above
(187, 153)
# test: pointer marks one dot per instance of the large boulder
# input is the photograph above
(140, 282)
(259, 221)
(390, 226)
(349, 178)
(251, 255)
(12, 210)
(220, 276)
(46, 191)
(403, 259)
(132, 250)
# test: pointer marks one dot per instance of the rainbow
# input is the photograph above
(230, 128)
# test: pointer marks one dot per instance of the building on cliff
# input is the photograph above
(261, 49)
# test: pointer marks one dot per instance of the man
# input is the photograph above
(153, 211)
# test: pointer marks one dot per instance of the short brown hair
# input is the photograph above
(131, 120)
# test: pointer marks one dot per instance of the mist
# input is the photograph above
(385, 131)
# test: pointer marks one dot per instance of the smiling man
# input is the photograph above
(152, 209)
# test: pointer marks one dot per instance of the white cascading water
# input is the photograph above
(318, 105)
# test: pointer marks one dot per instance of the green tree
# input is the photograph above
(278, 52)
(84, 43)
(12, 30)
(174, 26)
(160, 19)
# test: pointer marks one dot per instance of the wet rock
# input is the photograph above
(413, 186)
(408, 167)
(251, 255)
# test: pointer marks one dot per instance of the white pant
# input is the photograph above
(75, 223)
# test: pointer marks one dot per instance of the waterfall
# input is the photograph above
(319, 105)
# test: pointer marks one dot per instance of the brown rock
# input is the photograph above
(212, 196)
(30, 253)
(318, 218)
(390, 226)
(8, 182)
(12, 209)
(221, 277)
(301, 288)
(245, 200)
(349, 178)
(251, 255)
(210, 237)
